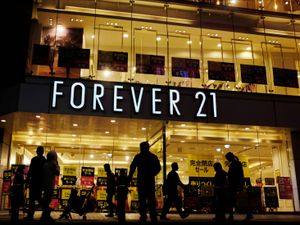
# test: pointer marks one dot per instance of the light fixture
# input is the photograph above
(219, 45)
(107, 132)
(38, 116)
(75, 125)
(93, 36)
(3, 121)
(74, 135)
(91, 156)
(112, 121)
(125, 35)
(227, 146)
(218, 149)
(107, 73)
(158, 38)
(143, 128)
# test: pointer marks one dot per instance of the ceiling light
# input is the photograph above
(219, 45)
(38, 116)
(75, 125)
(247, 128)
(74, 135)
(144, 128)
(248, 48)
(189, 42)
(107, 73)
(93, 36)
(3, 121)
(158, 38)
(91, 156)
(107, 132)
(182, 141)
(41, 128)
(183, 125)
(109, 155)
(125, 35)
(112, 121)
(218, 149)
(227, 146)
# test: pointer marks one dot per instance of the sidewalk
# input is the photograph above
(132, 218)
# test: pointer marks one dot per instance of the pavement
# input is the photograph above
(132, 218)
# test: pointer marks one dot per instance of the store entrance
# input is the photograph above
(84, 144)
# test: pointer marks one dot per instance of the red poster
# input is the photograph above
(285, 188)
(87, 181)
(6, 186)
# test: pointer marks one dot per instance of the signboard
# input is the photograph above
(118, 171)
(113, 61)
(70, 171)
(199, 167)
(65, 193)
(101, 172)
(285, 77)
(73, 57)
(87, 171)
(40, 54)
(271, 197)
(69, 180)
(188, 68)
(101, 181)
(285, 188)
(150, 64)
(269, 181)
(221, 71)
(253, 74)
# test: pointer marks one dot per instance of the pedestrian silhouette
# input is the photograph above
(34, 178)
(148, 166)
(50, 170)
(122, 191)
(17, 193)
(110, 189)
(235, 183)
(171, 193)
(220, 192)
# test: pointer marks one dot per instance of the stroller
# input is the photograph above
(80, 205)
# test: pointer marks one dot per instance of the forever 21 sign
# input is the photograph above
(106, 98)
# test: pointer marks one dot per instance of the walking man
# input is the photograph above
(34, 178)
(110, 190)
(148, 166)
(171, 193)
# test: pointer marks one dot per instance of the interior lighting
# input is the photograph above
(91, 156)
(107, 73)
(158, 38)
(125, 35)
(38, 116)
(93, 36)
(113, 121)
(286, 2)
(144, 128)
(107, 132)
(275, 6)
(41, 128)
(227, 146)
(219, 45)
(233, 1)
(218, 149)
(109, 155)
(218, 2)
(3, 121)
(183, 125)
(74, 135)
(248, 48)
(247, 128)
(189, 42)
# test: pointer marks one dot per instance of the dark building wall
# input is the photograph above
(15, 34)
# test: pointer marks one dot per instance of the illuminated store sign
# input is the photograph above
(132, 98)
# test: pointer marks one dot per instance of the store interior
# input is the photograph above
(83, 141)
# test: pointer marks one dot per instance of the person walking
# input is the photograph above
(148, 166)
(50, 170)
(33, 180)
(220, 192)
(171, 193)
(235, 183)
(110, 189)
(17, 194)
(122, 191)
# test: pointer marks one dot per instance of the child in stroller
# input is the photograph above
(80, 205)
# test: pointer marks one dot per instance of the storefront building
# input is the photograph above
(197, 79)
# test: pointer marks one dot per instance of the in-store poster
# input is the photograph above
(200, 167)
(253, 74)
(113, 61)
(64, 37)
(285, 187)
(223, 71)
(73, 57)
(285, 77)
(150, 64)
(186, 68)
(87, 176)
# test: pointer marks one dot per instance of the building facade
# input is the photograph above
(197, 79)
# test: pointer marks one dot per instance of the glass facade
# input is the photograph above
(166, 45)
